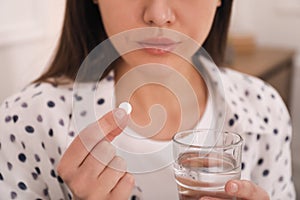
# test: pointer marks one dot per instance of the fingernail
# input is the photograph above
(120, 114)
(130, 179)
(233, 188)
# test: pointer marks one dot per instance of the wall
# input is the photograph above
(275, 23)
(28, 36)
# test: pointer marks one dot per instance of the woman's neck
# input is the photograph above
(163, 103)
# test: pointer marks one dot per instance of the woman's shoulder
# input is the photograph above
(254, 103)
(250, 89)
(38, 98)
(237, 79)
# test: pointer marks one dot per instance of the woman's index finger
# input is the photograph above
(109, 126)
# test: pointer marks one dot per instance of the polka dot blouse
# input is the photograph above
(36, 126)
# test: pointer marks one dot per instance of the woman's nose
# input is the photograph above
(158, 13)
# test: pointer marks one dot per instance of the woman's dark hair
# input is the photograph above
(83, 30)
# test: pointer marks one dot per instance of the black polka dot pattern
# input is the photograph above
(45, 191)
(69, 196)
(36, 94)
(61, 122)
(267, 147)
(7, 119)
(34, 175)
(257, 136)
(37, 169)
(63, 98)
(53, 174)
(266, 172)
(24, 105)
(77, 97)
(245, 148)
(29, 129)
(260, 161)
(23, 145)
(101, 101)
(15, 118)
(43, 145)
(52, 160)
(37, 158)
(51, 104)
(13, 195)
(59, 150)
(243, 166)
(9, 166)
(280, 179)
(71, 133)
(59, 179)
(22, 157)
(37, 124)
(12, 138)
(22, 186)
(50, 132)
(231, 122)
(39, 118)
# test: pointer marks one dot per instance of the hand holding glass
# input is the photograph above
(204, 164)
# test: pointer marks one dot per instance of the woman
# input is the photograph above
(37, 122)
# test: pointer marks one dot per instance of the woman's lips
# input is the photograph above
(158, 46)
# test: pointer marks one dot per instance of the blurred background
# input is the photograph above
(264, 41)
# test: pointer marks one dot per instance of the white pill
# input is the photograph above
(126, 106)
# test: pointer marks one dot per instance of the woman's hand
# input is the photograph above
(90, 167)
(242, 189)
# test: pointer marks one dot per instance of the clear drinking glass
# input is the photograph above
(204, 161)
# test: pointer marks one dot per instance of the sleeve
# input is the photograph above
(273, 167)
(28, 155)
